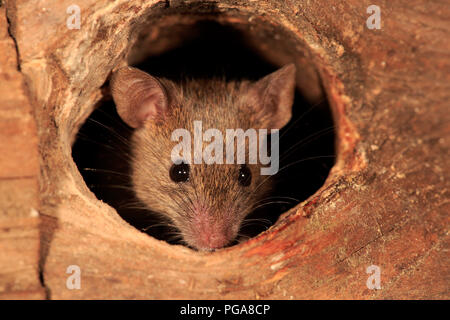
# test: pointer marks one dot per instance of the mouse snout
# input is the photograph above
(210, 240)
(211, 231)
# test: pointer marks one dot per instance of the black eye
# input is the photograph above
(179, 172)
(245, 176)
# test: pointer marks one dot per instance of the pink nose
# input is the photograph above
(208, 240)
(209, 231)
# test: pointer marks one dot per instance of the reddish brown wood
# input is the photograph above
(19, 220)
(385, 203)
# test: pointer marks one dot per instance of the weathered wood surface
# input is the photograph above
(385, 203)
(19, 169)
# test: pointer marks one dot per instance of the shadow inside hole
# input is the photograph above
(307, 151)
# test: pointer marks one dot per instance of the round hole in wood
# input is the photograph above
(79, 229)
(190, 48)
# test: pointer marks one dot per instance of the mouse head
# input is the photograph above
(205, 198)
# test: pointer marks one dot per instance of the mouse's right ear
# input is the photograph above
(138, 96)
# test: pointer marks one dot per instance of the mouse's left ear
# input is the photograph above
(138, 96)
(272, 97)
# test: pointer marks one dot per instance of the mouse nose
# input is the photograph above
(212, 240)
(210, 232)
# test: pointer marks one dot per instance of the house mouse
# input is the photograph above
(207, 203)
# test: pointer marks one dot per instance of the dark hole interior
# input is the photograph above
(307, 150)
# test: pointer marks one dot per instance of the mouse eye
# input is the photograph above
(245, 176)
(179, 172)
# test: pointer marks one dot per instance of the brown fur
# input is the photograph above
(212, 190)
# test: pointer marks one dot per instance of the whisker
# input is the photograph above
(113, 186)
(303, 142)
(110, 129)
(107, 171)
(296, 121)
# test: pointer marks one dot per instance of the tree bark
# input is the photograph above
(385, 203)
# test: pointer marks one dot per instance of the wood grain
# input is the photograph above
(19, 169)
(385, 203)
